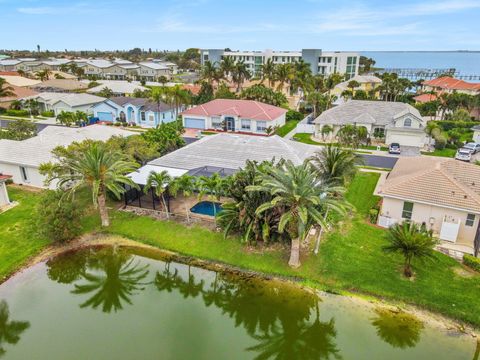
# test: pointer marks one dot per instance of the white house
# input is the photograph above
(396, 121)
(69, 102)
(4, 199)
(21, 159)
(246, 116)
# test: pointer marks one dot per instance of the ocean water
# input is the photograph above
(465, 63)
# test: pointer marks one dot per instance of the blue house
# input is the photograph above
(140, 111)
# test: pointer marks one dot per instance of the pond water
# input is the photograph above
(117, 303)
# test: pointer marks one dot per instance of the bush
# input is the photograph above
(472, 262)
(440, 142)
(117, 124)
(294, 115)
(58, 217)
(50, 113)
(373, 215)
(20, 113)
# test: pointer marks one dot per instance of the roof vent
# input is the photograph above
(465, 196)
(473, 183)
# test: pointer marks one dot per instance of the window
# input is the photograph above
(470, 220)
(216, 122)
(23, 171)
(142, 115)
(407, 210)
(261, 126)
(407, 122)
(245, 124)
(163, 116)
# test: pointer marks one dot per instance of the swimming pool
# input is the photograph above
(206, 208)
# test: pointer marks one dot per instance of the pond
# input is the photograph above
(119, 303)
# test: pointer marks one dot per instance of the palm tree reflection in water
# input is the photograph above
(10, 330)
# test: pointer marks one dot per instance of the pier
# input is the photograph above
(427, 74)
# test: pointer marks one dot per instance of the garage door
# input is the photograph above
(194, 123)
(405, 140)
(105, 116)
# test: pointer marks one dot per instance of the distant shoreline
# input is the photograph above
(419, 51)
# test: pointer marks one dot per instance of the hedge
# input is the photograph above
(472, 262)
(20, 113)
(50, 113)
(447, 125)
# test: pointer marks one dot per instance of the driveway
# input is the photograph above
(387, 162)
(410, 151)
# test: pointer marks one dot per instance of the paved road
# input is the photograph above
(386, 162)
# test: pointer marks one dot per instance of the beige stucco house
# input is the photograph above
(442, 193)
(398, 122)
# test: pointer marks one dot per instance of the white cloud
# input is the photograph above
(79, 8)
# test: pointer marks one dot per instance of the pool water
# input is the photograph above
(123, 303)
(209, 208)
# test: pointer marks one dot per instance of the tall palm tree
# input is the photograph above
(159, 182)
(283, 75)
(43, 74)
(269, 72)
(157, 96)
(10, 331)
(412, 241)
(303, 199)
(318, 101)
(334, 165)
(97, 168)
(227, 65)
(184, 184)
(5, 89)
(240, 73)
(352, 85)
(209, 72)
(212, 187)
(179, 97)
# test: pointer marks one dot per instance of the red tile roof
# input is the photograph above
(20, 92)
(194, 89)
(4, 177)
(11, 73)
(423, 98)
(248, 109)
(450, 83)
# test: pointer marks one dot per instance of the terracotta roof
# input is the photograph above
(450, 83)
(194, 89)
(442, 182)
(4, 177)
(20, 92)
(248, 109)
(423, 98)
(10, 73)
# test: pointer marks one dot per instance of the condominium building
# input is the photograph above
(321, 62)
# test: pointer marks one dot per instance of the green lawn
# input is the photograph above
(306, 139)
(443, 153)
(285, 129)
(350, 259)
(18, 238)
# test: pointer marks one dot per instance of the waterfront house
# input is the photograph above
(441, 193)
(367, 83)
(397, 122)
(246, 116)
(447, 84)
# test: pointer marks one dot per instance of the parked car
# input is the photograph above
(464, 154)
(394, 148)
(474, 147)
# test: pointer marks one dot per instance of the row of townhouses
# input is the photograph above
(118, 69)
(321, 62)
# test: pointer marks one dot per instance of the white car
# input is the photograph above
(474, 147)
(464, 154)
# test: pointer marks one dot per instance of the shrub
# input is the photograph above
(440, 142)
(373, 215)
(472, 262)
(58, 217)
(294, 115)
(20, 113)
(50, 113)
(117, 124)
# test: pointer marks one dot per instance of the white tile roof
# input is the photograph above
(118, 86)
(155, 66)
(71, 99)
(37, 150)
(232, 151)
(19, 80)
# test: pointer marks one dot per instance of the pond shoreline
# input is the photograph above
(366, 300)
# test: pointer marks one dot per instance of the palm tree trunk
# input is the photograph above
(103, 210)
(295, 253)
(186, 211)
(407, 270)
(477, 351)
(165, 206)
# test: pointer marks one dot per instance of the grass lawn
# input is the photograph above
(443, 153)
(285, 129)
(306, 139)
(18, 238)
(350, 258)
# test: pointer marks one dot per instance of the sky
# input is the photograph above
(240, 24)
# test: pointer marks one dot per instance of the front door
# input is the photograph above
(230, 122)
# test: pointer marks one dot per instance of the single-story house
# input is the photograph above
(18, 80)
(246, 116)
(447, 84)
(21, 159)
(441, 193)
(69, 102)
(223, 153)
(4, 199)
(396, 121)
(118, 87)
(60, 85)
(19, 93)
(140, 111)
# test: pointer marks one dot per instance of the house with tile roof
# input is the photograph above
(246, 116)
(446, 84)
(68, 102)
(139, 111)
(441, 193)
(397, 121)
(18, 93)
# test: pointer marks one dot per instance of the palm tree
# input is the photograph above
(283, 75)
(334, 165)
(352, 85)
(159, 181)
(303, 199)
(10, 331)
(317, 101)
(412, 241)
(186, 185)
(5, 89)
(326, 129)
(227, 65)
(209, 72)
(179, 97)
(106, 92)
(213, 187)
(269, 72)
(157, 95)
(43, 74)
(16, 105)
(98, 168)
(240, 73)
